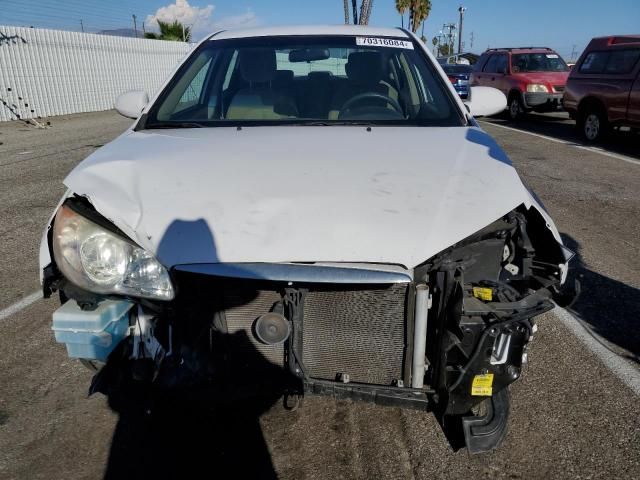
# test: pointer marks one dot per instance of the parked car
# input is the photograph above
(353, 229)
(532, 78)
(603, 90)
(459, 77)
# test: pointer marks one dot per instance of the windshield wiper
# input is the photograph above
(338, 123)
(160, 125)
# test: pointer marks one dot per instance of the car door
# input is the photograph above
(477, 76)
(501, 78)
(491, 77)
(486, 77)
(633, 112)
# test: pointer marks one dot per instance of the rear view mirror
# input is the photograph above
(485, 101)
(131, 104)
(308, 55)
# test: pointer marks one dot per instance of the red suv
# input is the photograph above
(603, 90)
(532, 78)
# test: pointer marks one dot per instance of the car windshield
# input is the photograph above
(538, 62)
(305, 80)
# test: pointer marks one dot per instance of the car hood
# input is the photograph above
(551, 78)
(300, 194)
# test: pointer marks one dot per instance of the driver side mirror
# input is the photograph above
(485, 101)
(131, 104)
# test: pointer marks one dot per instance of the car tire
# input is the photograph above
(515, 110)
(593, 124)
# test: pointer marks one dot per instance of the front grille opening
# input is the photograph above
(355, 330)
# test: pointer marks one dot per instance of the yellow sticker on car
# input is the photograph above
(482, 385)
(483, 293)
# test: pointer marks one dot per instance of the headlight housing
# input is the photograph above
(537, 88)
(100, 261)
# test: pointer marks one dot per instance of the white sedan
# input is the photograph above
(315, 205)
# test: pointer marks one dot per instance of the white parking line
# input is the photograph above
(21, 305)
(599, 150)
(620, 367)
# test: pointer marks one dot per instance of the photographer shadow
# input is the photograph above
(179, 425)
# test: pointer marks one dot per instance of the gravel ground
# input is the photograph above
(571, 417)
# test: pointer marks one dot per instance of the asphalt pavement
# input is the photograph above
(572, 415)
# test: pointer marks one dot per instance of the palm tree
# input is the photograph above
(175, 32)
(420, 10)
(346, 12)
(402, 6)
(365, 11)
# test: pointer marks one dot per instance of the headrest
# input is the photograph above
(283, 77)
(365, 68)
(320, 76)
(257, 64)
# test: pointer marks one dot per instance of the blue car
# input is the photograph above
(459, 77)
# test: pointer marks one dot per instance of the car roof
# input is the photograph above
(613, 41)
(520, 50)
(309, 30)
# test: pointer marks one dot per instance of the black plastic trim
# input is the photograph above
(381, 395)
(485, 433)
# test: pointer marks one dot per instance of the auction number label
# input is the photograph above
(384, 42)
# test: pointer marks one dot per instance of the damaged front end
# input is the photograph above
(487, 291)
(449, 336)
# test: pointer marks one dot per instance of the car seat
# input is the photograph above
(260, 99)
(365, 74)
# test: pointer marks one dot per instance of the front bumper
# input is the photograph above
(543, 102)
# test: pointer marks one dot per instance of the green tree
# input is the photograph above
(175, 32)
(444, 50)
(403, 6)
(420, 10)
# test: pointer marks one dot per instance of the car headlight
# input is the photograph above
(537, 88)
(101, 261)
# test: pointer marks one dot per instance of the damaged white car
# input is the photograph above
(318, 201)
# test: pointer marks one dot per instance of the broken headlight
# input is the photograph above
(100, 261)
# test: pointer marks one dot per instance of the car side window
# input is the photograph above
(480, 63)
(491, 65)
(622, 61)
(594, 62)
(188, 89)
(501, 63)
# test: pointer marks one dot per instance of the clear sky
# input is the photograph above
(560, 24)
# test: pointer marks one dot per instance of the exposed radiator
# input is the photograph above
(358, 332)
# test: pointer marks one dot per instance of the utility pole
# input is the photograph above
(81, 26)
(135, 26)
(144, 32)
(346, 12)
(574, 53)
(461, 10)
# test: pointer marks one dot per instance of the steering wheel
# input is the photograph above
(372, 95)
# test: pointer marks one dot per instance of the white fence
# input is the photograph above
(50, 72)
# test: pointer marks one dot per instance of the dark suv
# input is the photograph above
(532, 78)
(603, 90)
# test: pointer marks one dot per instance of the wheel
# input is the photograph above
(515, 109)
(593, 125)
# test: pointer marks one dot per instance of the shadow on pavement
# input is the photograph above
(197, 432)
(561, 127)
(197, 414)
(610, 308)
